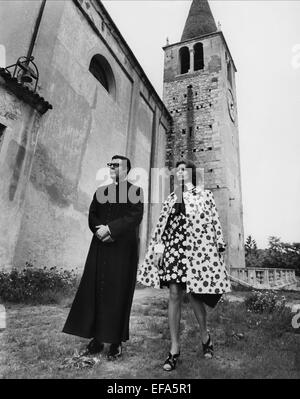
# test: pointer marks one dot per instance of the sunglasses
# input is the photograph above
(113, 165)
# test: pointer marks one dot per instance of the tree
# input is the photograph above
(282, 255)
(250, 246)
(278, 254)
(251, 252)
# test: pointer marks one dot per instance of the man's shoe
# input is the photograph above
(93, 347)
(115, 352)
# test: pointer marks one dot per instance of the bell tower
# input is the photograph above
(200, 94)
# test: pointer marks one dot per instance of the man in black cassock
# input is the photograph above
(102, 305)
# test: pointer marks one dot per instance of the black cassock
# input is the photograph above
(102, 304)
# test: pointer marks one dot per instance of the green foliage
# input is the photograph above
(265, 302)
(278, 255)
(251, 253)
(37, 285)
(279, 321)
(250, 246)
(282, 255)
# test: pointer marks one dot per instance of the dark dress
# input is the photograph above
(174, 266)
(102, 304)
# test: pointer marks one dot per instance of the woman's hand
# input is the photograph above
(159, 250)
(221, 248)
(158, 257)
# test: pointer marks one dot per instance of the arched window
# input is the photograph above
(198, 57)
(100, 68)
(184, 56)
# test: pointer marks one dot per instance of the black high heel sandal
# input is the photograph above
(208, 349)
(171, 362)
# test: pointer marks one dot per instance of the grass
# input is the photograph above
(247, 345)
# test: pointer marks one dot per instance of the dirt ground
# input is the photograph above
(246, 346)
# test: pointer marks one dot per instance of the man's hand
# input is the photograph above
(102, 231)
(107, 239)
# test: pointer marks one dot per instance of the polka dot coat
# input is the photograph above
(206, 271)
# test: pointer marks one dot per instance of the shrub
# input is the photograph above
(279, 322)
(37, 285)
(265, 301)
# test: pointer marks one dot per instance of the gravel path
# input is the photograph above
(149, 292)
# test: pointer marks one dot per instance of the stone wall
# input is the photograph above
(19, 127)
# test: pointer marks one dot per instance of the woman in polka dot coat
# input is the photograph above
(185, 254)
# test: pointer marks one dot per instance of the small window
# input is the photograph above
(100, 68)
(198, 57)
(2, 129)
(229, 72)
(184, 55)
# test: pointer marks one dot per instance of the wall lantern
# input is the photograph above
(25, 71)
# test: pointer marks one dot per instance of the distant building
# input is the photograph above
(93, 100)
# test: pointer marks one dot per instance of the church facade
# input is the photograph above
(93, 100)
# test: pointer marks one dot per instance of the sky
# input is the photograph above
(264, 40)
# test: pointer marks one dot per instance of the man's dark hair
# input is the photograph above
(128, 163)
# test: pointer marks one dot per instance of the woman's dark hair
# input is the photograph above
(192, 168)
(128, 163)
(179, 205)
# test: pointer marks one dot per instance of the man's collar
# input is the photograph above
(117, 182)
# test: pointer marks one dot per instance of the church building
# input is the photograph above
(73, 94)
